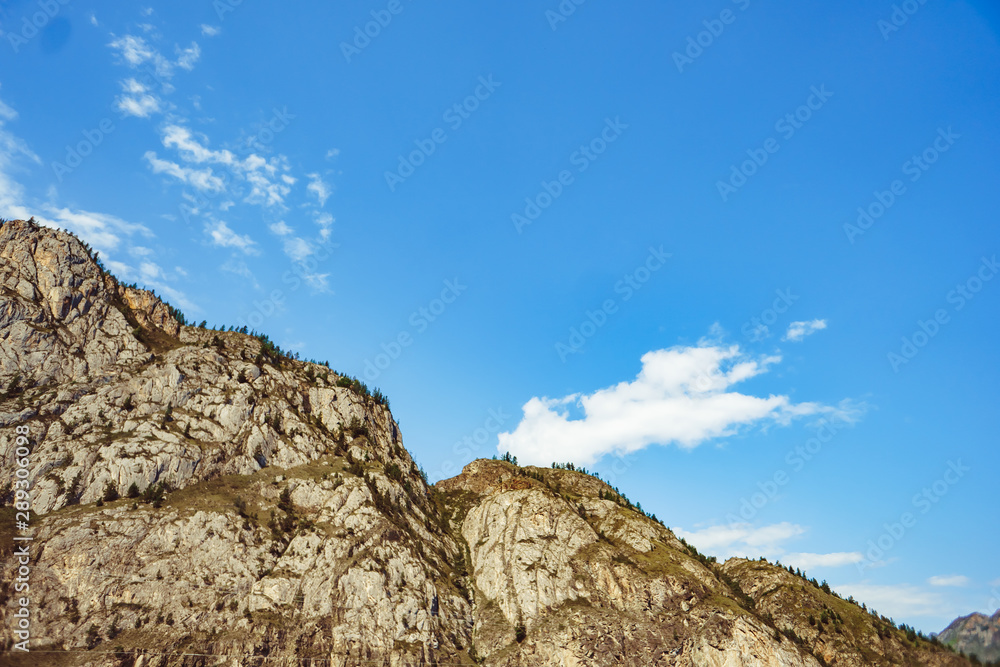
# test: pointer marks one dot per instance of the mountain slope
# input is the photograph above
(975, 634)
(198, 493)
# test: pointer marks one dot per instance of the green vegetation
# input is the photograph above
(360, 388)
(110, 493)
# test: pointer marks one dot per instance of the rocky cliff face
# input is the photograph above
(198, 494)
(975, 634)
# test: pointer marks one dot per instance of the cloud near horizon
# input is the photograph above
(682, 396)
(745, 540)
(950, 580)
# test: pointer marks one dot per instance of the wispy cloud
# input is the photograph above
(280, 228)
(137, 100)
(224, 237)
(104, 232)
(200, 179)
(318, 188)
(136, 51)
(682, 396)
(899, 600)
(264, 176)
(186, 58)
(799, 330)
(744, 540)
(808, 561)
(298, 249)
(210, 30)
(950, 580)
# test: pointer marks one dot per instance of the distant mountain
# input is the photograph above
(975, 634)
(199, 497)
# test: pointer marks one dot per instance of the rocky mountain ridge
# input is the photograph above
(976, 634)
(199, 497)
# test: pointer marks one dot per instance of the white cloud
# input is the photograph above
(808, 561)
(140, 107)
(280, 228)
(895, 601)
(200, 179)
(210, 30)
(225, 237)
(93, 19)
(298, 249)
(325, 222)
(951, 580)
(186, 58)
(681, 396)
(264, 191)
(317, 281)
(137, 100)
(264, 176)
(742, 539)
(104, 232)
(134, 50)
(332, 153)
(150, 270)
(191, 148)
(799, 330)
(318, 188)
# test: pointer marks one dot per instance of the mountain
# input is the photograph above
(200, 493)
(975, 634)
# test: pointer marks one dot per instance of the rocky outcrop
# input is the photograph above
(201, 498)
(975, 634)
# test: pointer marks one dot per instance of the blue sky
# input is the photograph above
(682, 246)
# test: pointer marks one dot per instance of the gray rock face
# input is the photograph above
(975, 634)
(199, 499)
